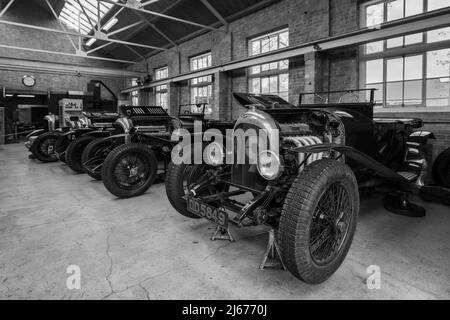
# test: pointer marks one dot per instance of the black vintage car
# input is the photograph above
(70, 145)
(42, 142)
(144, 150)
(307, 174)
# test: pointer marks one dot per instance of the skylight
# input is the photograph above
(74, 16)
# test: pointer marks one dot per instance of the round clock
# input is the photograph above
(28, 81)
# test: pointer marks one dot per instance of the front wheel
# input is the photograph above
(94, 156)
(441, 169)
(43, 147)
(318, 220)
(74, 152)
(129, 170)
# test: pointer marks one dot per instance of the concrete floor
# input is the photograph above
(141, 248)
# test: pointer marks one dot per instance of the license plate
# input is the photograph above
(216, 215)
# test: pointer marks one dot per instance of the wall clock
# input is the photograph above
(28, 81)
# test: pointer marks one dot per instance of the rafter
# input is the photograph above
(6, 7)
(215, 12)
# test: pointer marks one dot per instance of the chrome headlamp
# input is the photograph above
(269, 165)
(213, 154)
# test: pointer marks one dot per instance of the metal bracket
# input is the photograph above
(100, 35)
(272, 254)
(222, 234)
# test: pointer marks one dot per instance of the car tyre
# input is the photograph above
(130, 170)
(43, 147)
(74, 153)
(441, 169)
(309, 214)
(93, 149)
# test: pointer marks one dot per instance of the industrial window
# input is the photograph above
(134, 94)
(273, 77)
(161, 92)
(74, 16)
(412, 70)
(201, 88)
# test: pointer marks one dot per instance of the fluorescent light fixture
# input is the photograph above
(25, 96)
(90, 42)
(10, 95)
(111, 23)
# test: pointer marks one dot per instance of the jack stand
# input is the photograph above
(222, 234)
(272, 254)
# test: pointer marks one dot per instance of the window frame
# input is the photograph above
(195, 84)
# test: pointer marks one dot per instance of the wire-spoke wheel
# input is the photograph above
(318, 220)
(94, 156)
(74, 153)
(129, 170)
(43, 147)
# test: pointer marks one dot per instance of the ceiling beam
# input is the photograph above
(26, 65)
(145, 20)
(161, 15)
(215, 12)
(61, 24)
(65, 54)
(6, 7)
(105, 38)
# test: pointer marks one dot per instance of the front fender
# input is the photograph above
(126, 136)
(98, 134)
(356, 156)
(35, 133)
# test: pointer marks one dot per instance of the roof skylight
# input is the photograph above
(74, 16)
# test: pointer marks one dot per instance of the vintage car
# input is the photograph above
(132, 167)
(70, 146)
(42, 142)
(307, 176)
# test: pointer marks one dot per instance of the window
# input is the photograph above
(405, 70)
(161, 92)
(134, 94)
(201, 88)
(270, 78)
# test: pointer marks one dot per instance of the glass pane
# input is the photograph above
(413, 67)
(194, 64)
(394, 42)
(255, 70)
(284, 64)
(394, 10)
(438, 92)
(438, 35)
(273, 43)
(209, 60)
(378, 96)
(438, 63)
(273, 66)
(265, 45)
(413, 38)
(374, 71)
(256, 47)
(413, 7)
(284, 82)
(394, 93)
(437, 4)
(265, 85)
(255, 85)
(374, 47)
(394, 69)
(284, 39)
(374, 14)
(413, 92)
(273, 84)
(265, 67)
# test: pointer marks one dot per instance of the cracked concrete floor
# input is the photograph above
(141, 248)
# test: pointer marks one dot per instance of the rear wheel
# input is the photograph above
(74, 152)
(96, 153)
(43, 147)
(129, 170)
(318, 220)
(441, 169)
